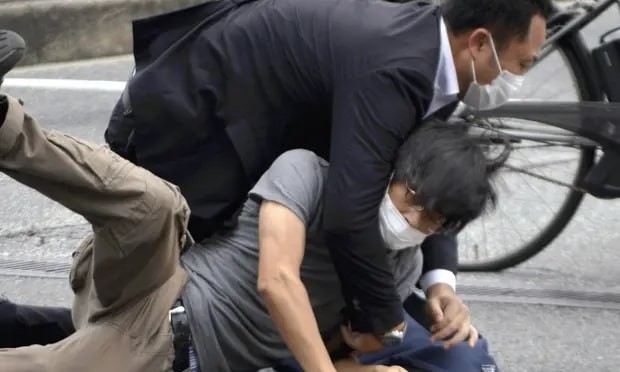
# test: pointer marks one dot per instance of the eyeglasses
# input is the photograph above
(411, 194)
(434, 217)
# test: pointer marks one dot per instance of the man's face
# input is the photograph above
(517, 56)
(418, 217)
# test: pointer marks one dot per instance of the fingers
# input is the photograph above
(454, 324)
(462, 334)
(453, 308)
(380, 368)
(433, 306)
(347, 336)
(473, 336)
(360, 342)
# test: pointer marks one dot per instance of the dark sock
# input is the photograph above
(4, 108)
(23, 325)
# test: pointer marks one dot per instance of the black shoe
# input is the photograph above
(12, 49)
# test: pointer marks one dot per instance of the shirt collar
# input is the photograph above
(447, 77)
(446, 84)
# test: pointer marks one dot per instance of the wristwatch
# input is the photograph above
(394, 337)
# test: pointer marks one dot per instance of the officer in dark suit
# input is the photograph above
(221, 89)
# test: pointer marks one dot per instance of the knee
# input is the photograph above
(155, 211)
(169, 208)
(463, 358)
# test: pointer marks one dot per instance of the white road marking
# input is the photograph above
(65, 84)
(125, 60)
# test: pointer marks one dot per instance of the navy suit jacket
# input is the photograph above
(348, 79)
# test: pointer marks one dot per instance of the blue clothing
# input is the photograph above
(417, 352)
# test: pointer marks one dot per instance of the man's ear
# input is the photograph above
(477, 42)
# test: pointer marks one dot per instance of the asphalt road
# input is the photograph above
(558, 312)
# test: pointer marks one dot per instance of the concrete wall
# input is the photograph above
(62, 30)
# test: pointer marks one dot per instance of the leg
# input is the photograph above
(418, 352)
(24, 325)
(139, 220)
(435, 358)
(126, 275)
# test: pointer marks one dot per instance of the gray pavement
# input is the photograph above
(557, 312)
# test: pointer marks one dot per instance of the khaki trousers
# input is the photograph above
(126, 274)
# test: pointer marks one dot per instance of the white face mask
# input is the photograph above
(487, 97)
(396, 231)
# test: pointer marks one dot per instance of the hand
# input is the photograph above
(350, 365)
(360, 342)
(379, 368)
(450, 316)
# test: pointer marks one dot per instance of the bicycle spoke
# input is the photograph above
(548, 163)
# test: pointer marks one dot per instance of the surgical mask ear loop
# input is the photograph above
(499, 65)
(473, 70)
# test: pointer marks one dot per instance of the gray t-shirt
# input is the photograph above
(231, 328)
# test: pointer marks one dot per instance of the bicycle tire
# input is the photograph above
(577, 57)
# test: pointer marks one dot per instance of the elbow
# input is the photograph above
(334, 227)
(277, 282)
(265, 286)
(337, 215)
(341, 218)
(339, 228)
(338, 223)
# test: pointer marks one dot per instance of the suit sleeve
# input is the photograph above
(371, 118)
(440, 252)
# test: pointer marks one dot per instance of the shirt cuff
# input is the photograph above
(437, 276)
(11, 127)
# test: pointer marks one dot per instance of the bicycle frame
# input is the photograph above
(597, 122)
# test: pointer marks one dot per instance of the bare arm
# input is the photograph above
(350, 365)
(282, 238)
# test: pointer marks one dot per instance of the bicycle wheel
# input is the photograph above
(510, 249)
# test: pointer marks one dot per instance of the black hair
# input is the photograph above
(505, 19)
(448, 171)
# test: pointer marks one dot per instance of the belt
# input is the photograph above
(181, 336)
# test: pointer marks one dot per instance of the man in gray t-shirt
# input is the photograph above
(227, 312)
(248, 285)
